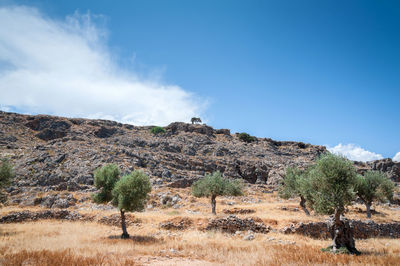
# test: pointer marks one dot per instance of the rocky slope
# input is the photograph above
(56, 153)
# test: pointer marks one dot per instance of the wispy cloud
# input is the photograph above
(396, 158)
(65, 68)
(355, 152)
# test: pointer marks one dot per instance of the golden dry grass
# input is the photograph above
(92, 243)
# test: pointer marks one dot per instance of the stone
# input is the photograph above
(249, 237)
(362, 229)
(105, 132)
(176, 224)
(232, 224)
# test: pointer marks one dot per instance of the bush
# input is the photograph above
(6, 176)
(246, 137)
(157, 130)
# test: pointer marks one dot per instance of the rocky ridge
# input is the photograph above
(56, 154)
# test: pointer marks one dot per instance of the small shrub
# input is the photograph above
(6, 176)
(246, 137)
(157, 130)
(342, 250)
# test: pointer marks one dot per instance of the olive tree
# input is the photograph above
(195, 120)
(373, 186)
(295, 184)
(332, 181)
(128, 193)
(213, 185)
(6, 176)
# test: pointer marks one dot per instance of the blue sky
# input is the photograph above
(323, 72)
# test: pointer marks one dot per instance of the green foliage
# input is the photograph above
(6, 176)
(215, 185)
(290, 187)
(331, 183)
(246, 137)
(105, 179)
(157, 130)
(130, 192)
(342, 250)
(195, 120)
(374, 186)
(6, 173)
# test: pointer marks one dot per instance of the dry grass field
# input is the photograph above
(53, 242)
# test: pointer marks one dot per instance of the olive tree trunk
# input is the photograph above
(303, 206)
(368, 206)
(213, 204)
(342, 234)
(125, 234)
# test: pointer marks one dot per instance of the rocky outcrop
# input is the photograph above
(361, 229)
(176, 224)
(388, 166)
(232, 224)
(60, 154)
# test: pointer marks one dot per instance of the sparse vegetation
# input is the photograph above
(213, 185)
(127, 194)
(246, 137)
(6, 176)
(157, 130)
(373, 186)
(295, 184)
(195, 120)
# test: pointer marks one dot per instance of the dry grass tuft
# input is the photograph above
(61, 258)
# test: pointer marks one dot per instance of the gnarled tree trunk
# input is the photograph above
(213, 204)
(303, 205)
(125, 234)
(368, 206)
(342, 234)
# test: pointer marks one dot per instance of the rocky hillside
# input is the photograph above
(56, 153)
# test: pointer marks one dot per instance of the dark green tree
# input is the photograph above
(213, 185)
(295, 184)
(332, 181)
(157, 130)
(195, 120)
(246, 137)
(373, 186)
(128, 193)
(6, 176)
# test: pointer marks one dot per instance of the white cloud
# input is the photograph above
(65, 68)
(355, 152)
(396, 158)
